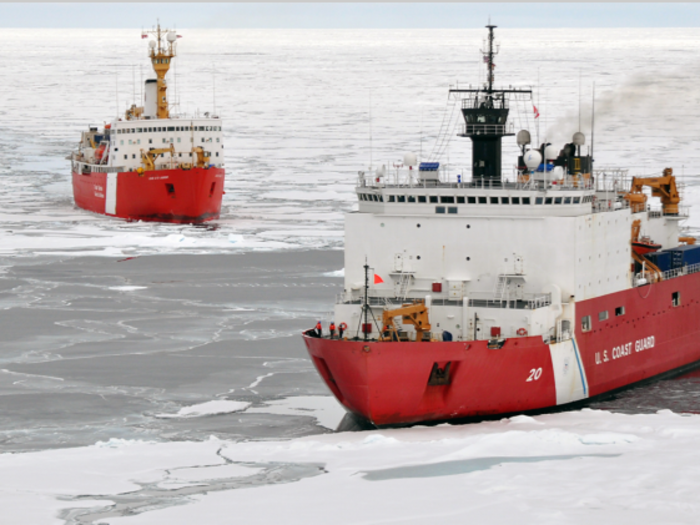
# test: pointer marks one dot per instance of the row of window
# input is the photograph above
(160, 129)
(165, 141)
(620, 310)
(133, 156)
(475, 200)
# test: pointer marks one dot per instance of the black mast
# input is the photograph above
(485, 111)
(366, 305)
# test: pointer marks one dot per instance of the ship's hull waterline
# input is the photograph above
(178, 196)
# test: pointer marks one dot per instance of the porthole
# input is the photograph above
(468, 258)
(418, 257)
(468, 226)
(417, 225)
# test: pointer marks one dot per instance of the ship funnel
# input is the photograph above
(150, 103)
(523, 137)
(532, 159)
(410, 159)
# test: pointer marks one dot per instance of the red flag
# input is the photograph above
(537, 113)
(179, 36)
(144, 35)
(377, 279)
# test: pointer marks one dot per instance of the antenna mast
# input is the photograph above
(592, 126)
(366, 305)
(488, 56)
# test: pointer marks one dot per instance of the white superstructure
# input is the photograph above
(509, 257)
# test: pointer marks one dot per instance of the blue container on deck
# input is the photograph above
(662, 260)
(428, 166)
(686, 255)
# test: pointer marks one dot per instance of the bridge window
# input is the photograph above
(515, 200)
(460, 200)
(433, 198)
(577, 200)
(557, 200)
(421, 198)
(539, 200)
(494, 200)
(567, 200)
(504, 200)
(439, 209)
(548, 200)
(482, 200)
(452, 209)
(411, 198)
(391, 198)
(448, 200)
(526, 200)
(400, 198)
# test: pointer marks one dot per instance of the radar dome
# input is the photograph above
(152, 44)
(410, 159)
(579, 138)
(172, 36)
(532, 159)
(523, 137)
(551, 152)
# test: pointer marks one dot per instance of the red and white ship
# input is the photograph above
(484, 296)
(151, 165)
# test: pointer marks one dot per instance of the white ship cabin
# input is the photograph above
(495, 258)
(120, 145)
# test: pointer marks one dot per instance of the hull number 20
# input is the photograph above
(535, 374)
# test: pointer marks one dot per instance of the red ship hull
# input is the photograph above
(388, 382)
(180, 196)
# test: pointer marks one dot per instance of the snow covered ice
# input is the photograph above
(574, 467)
(253, 442)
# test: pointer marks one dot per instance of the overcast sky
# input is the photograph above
(348, 15)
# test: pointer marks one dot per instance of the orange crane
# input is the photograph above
(415, 314)
(663, 187)
(148, 158)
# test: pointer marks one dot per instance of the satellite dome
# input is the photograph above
(579, 138)
(152, 44)
(523, 137)
(172, 36)
(551, 152)
(532, 159)
(410, 159)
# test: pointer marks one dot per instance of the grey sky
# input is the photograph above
(348, 15)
